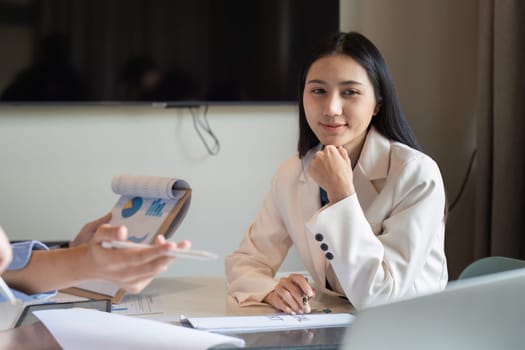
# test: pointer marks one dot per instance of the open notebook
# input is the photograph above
(148, 206)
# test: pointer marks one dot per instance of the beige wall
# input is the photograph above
(57, 165)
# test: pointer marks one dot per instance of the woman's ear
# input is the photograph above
(378, 107)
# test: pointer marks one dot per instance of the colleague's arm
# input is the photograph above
(130, 269)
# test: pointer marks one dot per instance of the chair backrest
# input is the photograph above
(486, 312)
(491, 264)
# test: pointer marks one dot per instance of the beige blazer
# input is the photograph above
(385, 241)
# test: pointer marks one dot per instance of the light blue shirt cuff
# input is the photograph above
(21, 255)
(32, 297)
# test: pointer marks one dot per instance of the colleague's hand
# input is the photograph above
(131, 268)
(6, 253)
(88, 231)
(331, 168)
(289, 293)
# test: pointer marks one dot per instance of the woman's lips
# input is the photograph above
(333, 127)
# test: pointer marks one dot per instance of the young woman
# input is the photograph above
(363, 206)
(35, 272)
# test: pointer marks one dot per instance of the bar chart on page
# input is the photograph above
(156, 208)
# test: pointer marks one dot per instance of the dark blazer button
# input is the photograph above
(324, 246)
(319, 237)
(329, 256)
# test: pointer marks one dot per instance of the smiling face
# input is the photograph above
(339, 102)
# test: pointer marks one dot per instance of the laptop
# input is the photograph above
(486, 312)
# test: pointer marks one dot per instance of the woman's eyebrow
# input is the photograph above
(346, 82)
(350, 82)
(316, 81)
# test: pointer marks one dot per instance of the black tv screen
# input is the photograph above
(158, 51)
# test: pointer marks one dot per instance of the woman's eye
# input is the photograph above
(317, 91)
(349, 92)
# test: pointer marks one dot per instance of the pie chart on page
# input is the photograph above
(132, 207)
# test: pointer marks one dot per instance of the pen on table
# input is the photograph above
(4, 288)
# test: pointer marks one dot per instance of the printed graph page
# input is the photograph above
(142, 216)
(144, 207)
(140, 305)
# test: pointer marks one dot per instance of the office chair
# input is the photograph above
(491, 264)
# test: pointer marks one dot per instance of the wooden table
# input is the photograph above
(194, 297)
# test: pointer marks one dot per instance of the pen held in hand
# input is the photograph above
(306, 305)
(306, 299)
(178, 253)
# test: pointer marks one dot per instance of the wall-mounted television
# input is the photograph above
(158, 51)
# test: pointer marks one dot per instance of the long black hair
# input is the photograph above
(390, 120)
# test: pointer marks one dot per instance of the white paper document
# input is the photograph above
(91, 329)
(139, 305)
(242, 324)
